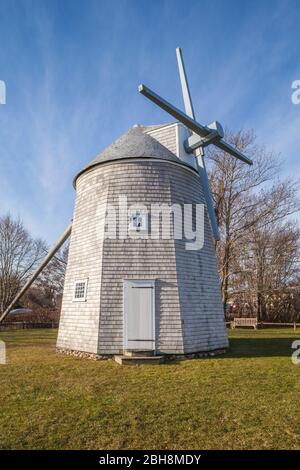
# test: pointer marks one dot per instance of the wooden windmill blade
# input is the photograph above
(188, 105)
(209, 135)
(199, 153)
(201, 137)
(197, 130)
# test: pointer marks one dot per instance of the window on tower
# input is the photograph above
(80, 291)
(138, 221)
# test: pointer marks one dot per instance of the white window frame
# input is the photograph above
(80, 299)
(144, 215)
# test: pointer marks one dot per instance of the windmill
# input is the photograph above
(140, 296)
(201, 136)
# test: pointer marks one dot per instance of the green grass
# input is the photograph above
(246, 399)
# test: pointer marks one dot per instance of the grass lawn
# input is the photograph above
(246, 399)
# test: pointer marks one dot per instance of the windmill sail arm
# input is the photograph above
(221, 144)
(44, 263)
(202, 136)
(188, 106)
(208, 197)
(203, 131)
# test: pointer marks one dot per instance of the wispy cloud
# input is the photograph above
(72, 70)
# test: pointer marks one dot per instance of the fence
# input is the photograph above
(21, 325)
(271, 325)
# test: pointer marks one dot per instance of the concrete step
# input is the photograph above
(137, 353)
(138, 360)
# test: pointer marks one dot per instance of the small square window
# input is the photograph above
(80, 291)
(138, 221)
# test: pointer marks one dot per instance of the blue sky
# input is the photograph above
(72, 69)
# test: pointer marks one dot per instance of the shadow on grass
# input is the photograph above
(250, 348)
(259, 347)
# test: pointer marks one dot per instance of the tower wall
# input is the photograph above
(144, 182)
(79, 321)
(189, 315)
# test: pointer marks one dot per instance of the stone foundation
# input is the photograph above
(198, 355)
(82, 354)
(168, 357)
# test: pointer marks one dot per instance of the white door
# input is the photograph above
(139, 319)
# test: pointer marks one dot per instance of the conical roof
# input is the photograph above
(135, 143)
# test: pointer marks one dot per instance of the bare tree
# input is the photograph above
(49, 285)
(266, 270)
(246, 197)
(19, 255)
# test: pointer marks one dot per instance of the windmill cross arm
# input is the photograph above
(175, 112)
(202, 131)
(194, 141)
(233, 151)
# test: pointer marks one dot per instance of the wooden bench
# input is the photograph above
(247, 322)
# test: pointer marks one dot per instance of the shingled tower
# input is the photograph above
(139, 293)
